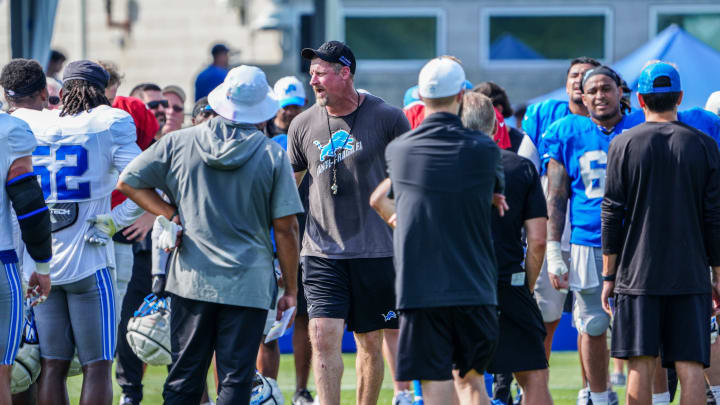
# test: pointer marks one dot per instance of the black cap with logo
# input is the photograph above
(333, 52)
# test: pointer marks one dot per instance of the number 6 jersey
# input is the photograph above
(581, 146)
(77, 162)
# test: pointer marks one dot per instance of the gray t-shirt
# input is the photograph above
(344, 226)
(229, 181)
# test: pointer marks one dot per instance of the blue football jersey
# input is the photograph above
(582, 146)
(695, 117)
(538, 118)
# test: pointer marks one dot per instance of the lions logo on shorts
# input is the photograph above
(390, 315)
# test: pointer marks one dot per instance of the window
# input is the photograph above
(703, 22)
(545, 35)
(394, 37)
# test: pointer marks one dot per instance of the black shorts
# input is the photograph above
(301, 300)
(521, 344)
(677, 327)
(434, 341)
(360, 291)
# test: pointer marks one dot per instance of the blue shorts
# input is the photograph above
(11, 307)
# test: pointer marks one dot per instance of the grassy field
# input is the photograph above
(564, 382)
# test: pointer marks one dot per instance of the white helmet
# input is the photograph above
(265, 390)
(75, 366)
(148, 332)
(26, 368)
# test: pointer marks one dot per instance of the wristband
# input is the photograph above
(556, 265)
(610, 277)
(42, 268)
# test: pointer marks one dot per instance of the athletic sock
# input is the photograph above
(716, 392)
(662, 398)
(599, 398)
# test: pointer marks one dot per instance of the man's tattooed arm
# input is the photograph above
(557, 199)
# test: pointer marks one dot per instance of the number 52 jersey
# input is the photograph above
(77, 161)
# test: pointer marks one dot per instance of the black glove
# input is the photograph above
(158, 285)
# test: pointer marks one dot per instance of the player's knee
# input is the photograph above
(325, 336)
(594, 323)
(370, 342)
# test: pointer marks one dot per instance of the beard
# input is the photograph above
(605, 116)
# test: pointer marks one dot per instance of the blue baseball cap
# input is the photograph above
(659, 77)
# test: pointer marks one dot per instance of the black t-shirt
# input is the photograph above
(661, 209)
(443, 178)
(524, 196)
(516, 137)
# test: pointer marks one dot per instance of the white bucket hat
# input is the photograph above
(244, 96)
(713, 103)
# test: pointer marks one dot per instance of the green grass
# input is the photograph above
(564, 382)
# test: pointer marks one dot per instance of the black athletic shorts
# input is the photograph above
(434, 341)
(521, 344)
(301, 300)
(360, 291)
(677, 327)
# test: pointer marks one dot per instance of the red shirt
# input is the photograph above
(415, 113)
(146, 127)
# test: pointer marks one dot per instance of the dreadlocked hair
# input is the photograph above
(79, 96)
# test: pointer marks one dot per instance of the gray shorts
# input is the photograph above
(11, 307)
(79, 314)
(588, 314)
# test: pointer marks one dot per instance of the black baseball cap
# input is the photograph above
(333, 52)
(219, 48)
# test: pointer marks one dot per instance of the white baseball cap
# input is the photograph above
(290, 91)
(713, 103)
(441, 77)
(244, 96)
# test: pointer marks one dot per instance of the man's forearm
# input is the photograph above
(609, 265)
(533, 263)
(148, 200)
(288, 254)
(381, 203)
(558, 193)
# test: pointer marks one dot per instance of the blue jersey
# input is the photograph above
(538, 118)
(582, 146)
(695, 117)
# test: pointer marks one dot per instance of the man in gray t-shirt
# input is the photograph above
(347, 248)
(228, 184)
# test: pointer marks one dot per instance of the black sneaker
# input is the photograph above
(302, 397)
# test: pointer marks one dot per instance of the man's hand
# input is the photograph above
(608, 291)
(287, 301)
(392, 221)
(38, 286)
(102, 229)
(499, 202)
(169, 234)
(140, 228)
(158, 285)
(557, 269)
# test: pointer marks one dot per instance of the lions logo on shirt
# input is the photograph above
(340, 140)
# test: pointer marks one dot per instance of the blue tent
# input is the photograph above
(509, 47)
(696, 61)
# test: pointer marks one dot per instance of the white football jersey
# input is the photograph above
(16, 141)
(77, 160)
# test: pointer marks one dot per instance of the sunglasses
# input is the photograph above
(154, 104)
(53, 100)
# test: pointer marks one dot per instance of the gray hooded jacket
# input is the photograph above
(229, 181)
